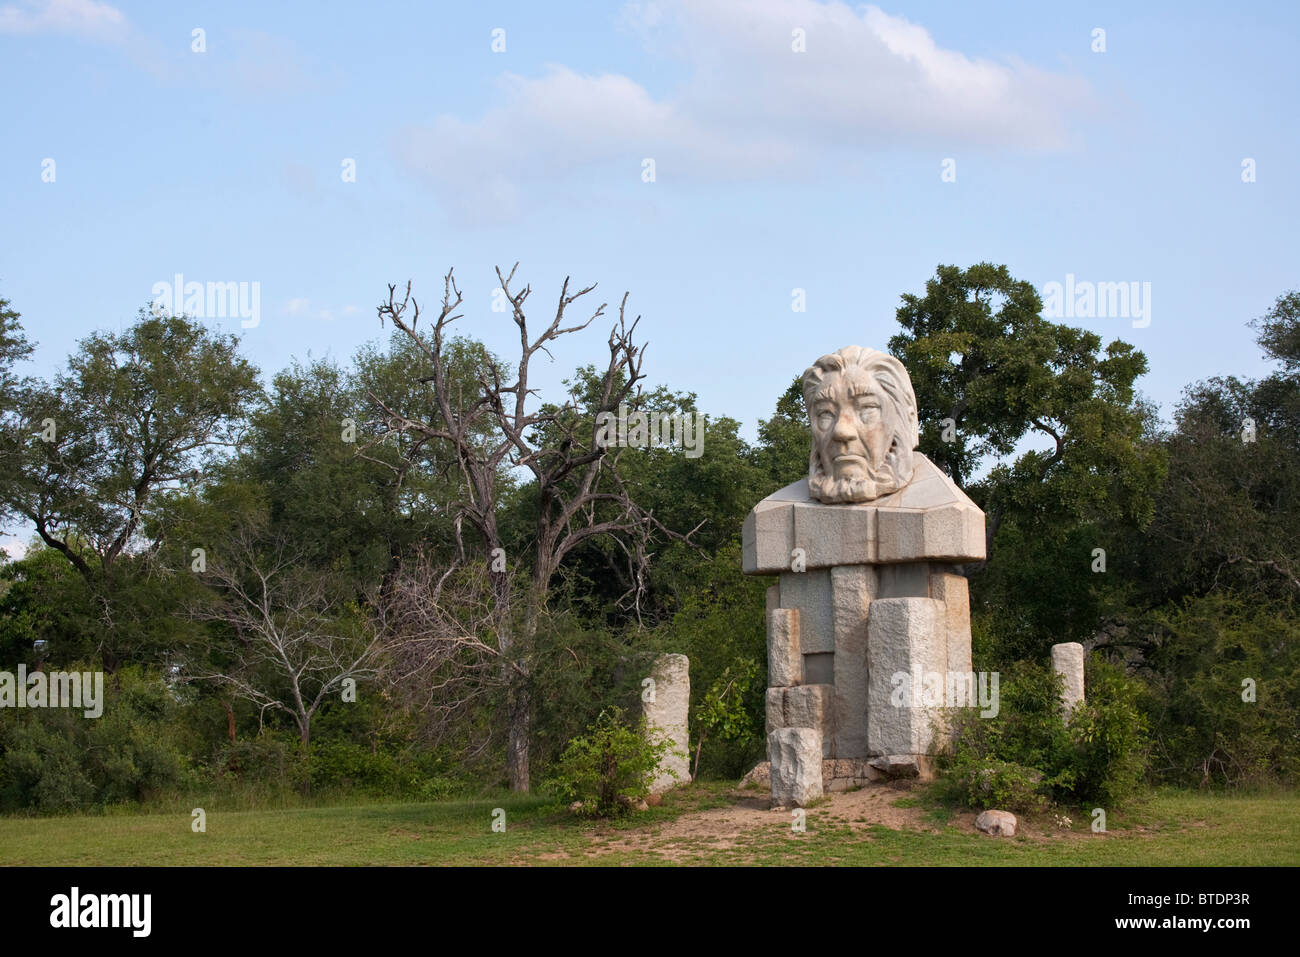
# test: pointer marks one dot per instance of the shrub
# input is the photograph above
(611, 767)
(989, 783)
(1108, 737)
(1029, 755)
(723, 713)
(56, 760)
(1209, 730)
(344, 765)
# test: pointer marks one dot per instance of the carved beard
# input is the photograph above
(883, 479)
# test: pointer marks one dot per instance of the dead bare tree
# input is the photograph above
(439, 625)
(580, 494)
(292, 645)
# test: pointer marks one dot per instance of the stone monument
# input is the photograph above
(666, 714)
(868, 626)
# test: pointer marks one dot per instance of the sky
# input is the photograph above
(722, 161)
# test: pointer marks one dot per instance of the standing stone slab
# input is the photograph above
(954, 591)
(1067, 661)
(784, 656)
(906, 644)
(666, 716)
(852, 588)
(796, 773)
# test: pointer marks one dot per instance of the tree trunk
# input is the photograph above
(519, 731)
(304, 739)
(519, 716)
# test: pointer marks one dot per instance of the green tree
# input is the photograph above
(1230, 516)
(14, 347)
(133, 422)
(782, 450)
(1077, 458)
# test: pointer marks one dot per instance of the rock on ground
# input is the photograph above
(996, 823)
(796, 766)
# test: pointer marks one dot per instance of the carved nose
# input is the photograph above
(844, 431)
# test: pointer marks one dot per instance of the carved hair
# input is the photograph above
(900, 417)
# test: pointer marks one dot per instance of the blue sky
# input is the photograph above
(774, 169)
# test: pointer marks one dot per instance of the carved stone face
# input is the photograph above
(848, 426)
(862, 412)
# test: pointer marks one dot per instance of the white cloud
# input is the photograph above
(83, 17)
(14, 548)
(750, 107)
(297, 306)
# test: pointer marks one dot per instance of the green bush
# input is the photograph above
(1209, 729)
(344, 765)
(1108, 736)
(989, 783)
(1029, 755)
(609, 768)
(56, 760)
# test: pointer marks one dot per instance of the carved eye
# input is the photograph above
(869, 413)
(825, 420)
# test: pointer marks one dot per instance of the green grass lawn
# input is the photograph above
(1170, 828)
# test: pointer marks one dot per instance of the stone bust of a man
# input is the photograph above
(862, 412)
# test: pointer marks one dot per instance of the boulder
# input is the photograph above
(996, 823)
(796, 766)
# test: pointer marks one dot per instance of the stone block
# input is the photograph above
(767, 538)
(954, 591)
(930, 519)
(852, 589)
(951, 533)
(811, 706)
(835, 534)
(905, 642)
(775, 706)
(796, 766)
(772, 597)
(898, 766)
(810, 593)
(784, 656)
(911, 580)
(1067, 661)
(954, 533)
(666, 717)
(900, 535)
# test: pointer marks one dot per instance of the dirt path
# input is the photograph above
(720, 829)
(748, 820)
